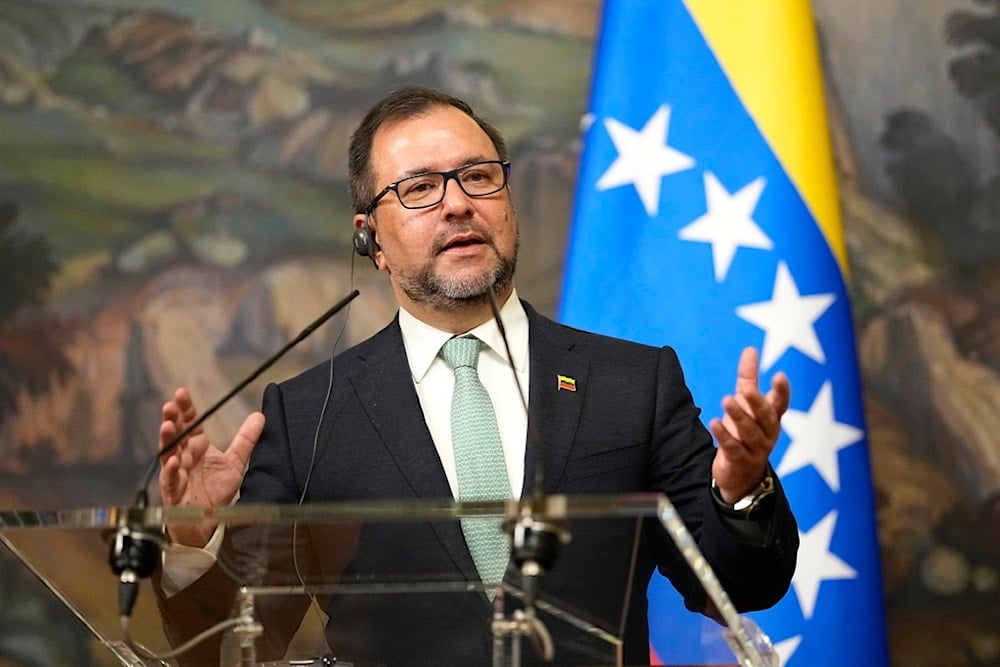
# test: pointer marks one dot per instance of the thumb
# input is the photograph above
(246, 438)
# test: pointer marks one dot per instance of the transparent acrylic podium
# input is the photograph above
(343, 575)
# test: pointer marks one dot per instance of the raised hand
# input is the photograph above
(196, 473)
(748, 430)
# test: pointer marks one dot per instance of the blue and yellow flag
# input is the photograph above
(707, 219)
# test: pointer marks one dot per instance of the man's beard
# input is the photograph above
(448, 293)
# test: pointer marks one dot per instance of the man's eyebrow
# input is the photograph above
(420, 171)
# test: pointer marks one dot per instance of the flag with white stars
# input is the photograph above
(707, 220)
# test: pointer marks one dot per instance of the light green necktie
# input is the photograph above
(479, 461)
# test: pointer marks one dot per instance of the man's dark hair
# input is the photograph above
(407, 102)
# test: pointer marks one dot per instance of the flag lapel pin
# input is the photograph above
(566, 383)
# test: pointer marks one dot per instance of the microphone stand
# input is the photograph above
(135, 551)
(536, 541)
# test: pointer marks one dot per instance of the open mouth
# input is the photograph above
(462, 241)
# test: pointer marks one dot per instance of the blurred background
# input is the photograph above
(173, 208)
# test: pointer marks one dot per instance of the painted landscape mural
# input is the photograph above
(173, 209)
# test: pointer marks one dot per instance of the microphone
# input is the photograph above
(135, 550)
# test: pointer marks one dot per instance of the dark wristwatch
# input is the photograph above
(748, 503)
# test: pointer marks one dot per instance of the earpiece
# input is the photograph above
(364, 243)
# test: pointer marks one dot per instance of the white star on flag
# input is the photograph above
(643, 158)
(787, 319)
(817, 564)
(817, 437)
(786, 649)
(728, 224)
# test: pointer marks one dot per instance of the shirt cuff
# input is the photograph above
(183, 565)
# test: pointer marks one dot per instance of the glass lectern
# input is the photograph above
(291, 575)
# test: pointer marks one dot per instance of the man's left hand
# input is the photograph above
(748, 430)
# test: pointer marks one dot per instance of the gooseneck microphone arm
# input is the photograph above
(135, 551)
(535, 540)
(537, 489)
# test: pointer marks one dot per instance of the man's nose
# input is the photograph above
(454, 199)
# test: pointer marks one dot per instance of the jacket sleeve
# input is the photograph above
(755, 566)
(250, 555)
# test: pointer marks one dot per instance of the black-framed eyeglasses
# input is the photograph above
(478, 179)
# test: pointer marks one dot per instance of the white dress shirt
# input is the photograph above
(435, 383)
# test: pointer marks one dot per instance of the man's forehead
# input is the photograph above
(440, 139)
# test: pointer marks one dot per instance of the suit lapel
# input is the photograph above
(383, 383)
(554, 411)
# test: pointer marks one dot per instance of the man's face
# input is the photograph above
(452, 253)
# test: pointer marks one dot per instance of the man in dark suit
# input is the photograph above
(604, 416)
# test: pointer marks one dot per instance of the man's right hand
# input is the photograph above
(197, 474)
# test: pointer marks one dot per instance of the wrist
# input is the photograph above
(745, 505)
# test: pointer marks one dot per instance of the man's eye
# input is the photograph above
(475, 176)
(418, 187)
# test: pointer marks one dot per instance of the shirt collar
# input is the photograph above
(423, 342)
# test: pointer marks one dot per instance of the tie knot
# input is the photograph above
(461, 351)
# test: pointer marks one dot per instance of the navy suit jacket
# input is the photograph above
(630, 425)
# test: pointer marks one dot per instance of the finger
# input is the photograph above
(762, 412)
(724, 436)
(168, 431)
(727, 421)
(738, 425)
(757, 436)
(733, 452)
(739, 456)
(177, 411)
(246, 438)
(747, 372)
(171, 480)
(780, 395)
(748, 429)
(182, 398)
(768, 410)
(187, 409)
(193, 454)
(170, 414)
(170, 411)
